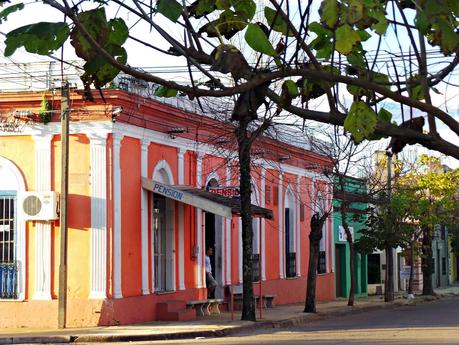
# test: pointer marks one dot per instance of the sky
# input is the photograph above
(173, 68)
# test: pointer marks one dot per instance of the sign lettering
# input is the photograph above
(167, 191)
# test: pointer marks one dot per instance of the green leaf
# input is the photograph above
(384, 115)
(415, 90)
(205, 7)
(346, 38)
(228, 25)
(245, 8)
(319, 29)
(292, 88)
(422, 22)
(119, 31)
(329, 13)
(356, 90)
(223, 4)
(10, 9)
(276, 22)
(164, 91)
(95, 23)
(355, 58)
(360, 121)
(449, 39)
(99, 71)
(171, 9)
(355, 11)
(257, 40)
(381, 26)
(39, 38)
(364, 36)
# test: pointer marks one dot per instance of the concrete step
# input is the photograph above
(169, 306)
(178, 315)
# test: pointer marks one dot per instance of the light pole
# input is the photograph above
(389, 283)
(65, 113)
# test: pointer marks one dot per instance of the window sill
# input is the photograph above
(164, 292)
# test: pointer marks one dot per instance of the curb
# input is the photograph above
(59, 339)
(221, 332)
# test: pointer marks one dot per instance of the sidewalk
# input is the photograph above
(209, 326)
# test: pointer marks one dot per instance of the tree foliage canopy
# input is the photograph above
(291, 52)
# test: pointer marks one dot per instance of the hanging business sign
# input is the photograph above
(229, 191)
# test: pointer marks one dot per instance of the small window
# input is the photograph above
(268, 195)
(433, 266)
(442, 233)
(443, 266)
(321, 267)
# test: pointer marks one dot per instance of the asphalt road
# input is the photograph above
(429, 323)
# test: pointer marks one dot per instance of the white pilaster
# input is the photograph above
(98, 245)
(228, 229)
(263, 224)
(42, 228)
(117, 291)
(181, 224)
(280, 203)
(298, 227)
(199, 225)
(144, 219)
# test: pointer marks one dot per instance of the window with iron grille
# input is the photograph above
(321, 267)
(256, 267)
(8, 264)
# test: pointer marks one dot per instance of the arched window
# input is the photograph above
(163, 226)
(289, 233)
(12, 233)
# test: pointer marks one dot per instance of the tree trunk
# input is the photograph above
(410, 282)
(426, 262)
(248, 302)
(389, 283)
(315, 236)
(350, 301)
(350, 241)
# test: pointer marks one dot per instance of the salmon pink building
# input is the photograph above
(141, 171)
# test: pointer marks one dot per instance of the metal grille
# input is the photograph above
(256, 267)
(8, 265)
(291, 264)
(321, 267)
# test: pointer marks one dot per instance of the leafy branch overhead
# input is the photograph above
(289, 53)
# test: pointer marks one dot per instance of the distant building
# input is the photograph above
(355, 192)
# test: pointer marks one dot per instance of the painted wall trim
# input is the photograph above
(98, 242)
(117, 269)
(42, 228)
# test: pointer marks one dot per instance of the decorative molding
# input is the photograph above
(263, 224)
(298, 226)
(117, 269)
(281, 228)
(144, 218)
(181, 224)
(98, 261)
(42, 228)
(199, 226)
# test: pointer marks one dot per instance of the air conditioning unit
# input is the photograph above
(39, 205)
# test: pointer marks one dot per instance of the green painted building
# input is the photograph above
(355, 191)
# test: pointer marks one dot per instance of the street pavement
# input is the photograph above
(284, 316)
